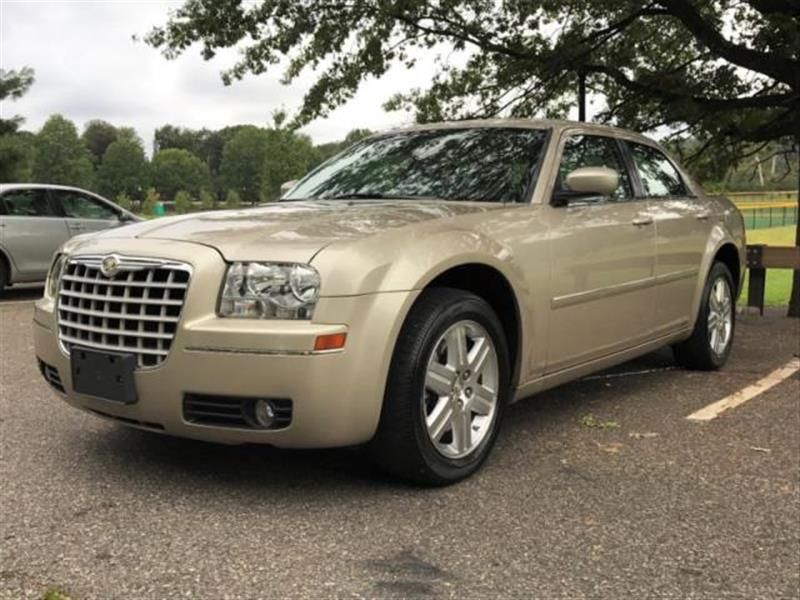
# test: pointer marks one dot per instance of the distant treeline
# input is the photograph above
(241, 163)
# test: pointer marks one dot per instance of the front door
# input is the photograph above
(683, 227)
(602, 255)
(85, 213)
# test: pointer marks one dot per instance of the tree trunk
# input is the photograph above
(794, 300)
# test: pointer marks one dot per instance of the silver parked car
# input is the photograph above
(36, 219)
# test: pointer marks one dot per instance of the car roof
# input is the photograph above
(4, 187)
(557, 125)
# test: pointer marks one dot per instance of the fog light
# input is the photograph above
(263, 413)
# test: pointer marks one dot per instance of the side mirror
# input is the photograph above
(593, 180)
(288, 185)
(126, 218)
(587, 181)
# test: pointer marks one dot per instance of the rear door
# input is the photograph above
(30, 231)
(602, 254)
(85, 213)
(683, 226)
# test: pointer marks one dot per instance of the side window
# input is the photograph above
(80, 206)
(594, 151)
(659, 176)
(26, 203)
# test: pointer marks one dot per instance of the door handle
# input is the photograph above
(703, 216)
(642, 221)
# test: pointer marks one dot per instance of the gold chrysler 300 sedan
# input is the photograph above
(401, 294)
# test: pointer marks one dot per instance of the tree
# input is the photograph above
(203, 143)
(98, 135)
(151, 200)
(173, 170)
(123, 201)
(206, 200)
(725, 72)
(123, 169)
(183, 202)
(243, 163)
(232, 200)
(13, 85)
(325, 151)
(16, 158)
(16, 150)
(61, 157)
(289, 157)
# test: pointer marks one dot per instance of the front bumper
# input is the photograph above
(336, 396)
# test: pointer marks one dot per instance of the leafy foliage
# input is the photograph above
(243, 160)
(290, 156)
(726, 71)
(13, 85)
(151, 199)
(173, 170)
(206, 200)
(203, 143)
(97, 136)
(232, 200)
(123, 169)
(16, 158)
(183, 202)
(123, 200)
(61, 157)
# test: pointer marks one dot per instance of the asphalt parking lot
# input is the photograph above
(601, 488)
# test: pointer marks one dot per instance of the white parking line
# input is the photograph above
(712, 411)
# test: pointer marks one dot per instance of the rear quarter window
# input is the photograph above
(658, 175)
(26, 203)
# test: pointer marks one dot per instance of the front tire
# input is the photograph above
(448, 385)
(710, 345)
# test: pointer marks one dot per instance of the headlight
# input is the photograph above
(54, 275)
(269, 291)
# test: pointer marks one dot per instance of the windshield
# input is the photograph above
(489, 164)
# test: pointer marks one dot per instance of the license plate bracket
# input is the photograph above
(105, 375)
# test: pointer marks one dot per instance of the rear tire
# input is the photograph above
(712, 338)
(4, 275)
(447, 388)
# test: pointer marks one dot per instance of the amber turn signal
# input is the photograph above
(333, 341)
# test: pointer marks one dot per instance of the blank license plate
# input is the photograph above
(106, 375)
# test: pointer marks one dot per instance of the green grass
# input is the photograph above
(779, 281)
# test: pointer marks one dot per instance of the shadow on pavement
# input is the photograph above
(21, 293)
(120, 452)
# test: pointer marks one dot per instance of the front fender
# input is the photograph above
(393, 262)
(728, 230)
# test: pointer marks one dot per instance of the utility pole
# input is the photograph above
(581, 95)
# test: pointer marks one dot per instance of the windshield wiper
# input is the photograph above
(355, 196)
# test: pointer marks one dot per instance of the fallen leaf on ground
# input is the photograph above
(612, 448)
(642, 435)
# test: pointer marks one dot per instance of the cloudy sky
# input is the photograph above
(89, 67)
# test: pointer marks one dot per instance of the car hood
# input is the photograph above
(293, 231)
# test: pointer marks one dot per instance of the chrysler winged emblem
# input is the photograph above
(110, 265)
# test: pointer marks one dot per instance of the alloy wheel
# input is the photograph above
(720, 316)
(460, 395)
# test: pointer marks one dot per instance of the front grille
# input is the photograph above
(232, 411)
(50, 373)
(135, 310)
